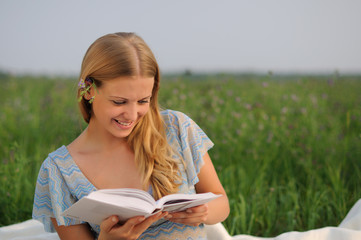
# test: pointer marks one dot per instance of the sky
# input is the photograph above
(282, 36)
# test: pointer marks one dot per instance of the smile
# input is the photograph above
(123, 123)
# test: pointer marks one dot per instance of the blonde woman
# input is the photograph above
(129, 143)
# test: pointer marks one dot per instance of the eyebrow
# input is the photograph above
(127, 98)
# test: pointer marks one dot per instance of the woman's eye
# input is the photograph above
(143, 101)
(118, 103)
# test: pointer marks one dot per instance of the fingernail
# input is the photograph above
(114, 219)
(189, 211)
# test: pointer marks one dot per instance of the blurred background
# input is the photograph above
(51, 37)
(275, 85)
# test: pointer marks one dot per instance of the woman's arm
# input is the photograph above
(79, 231)
(218, 209)
(211, 213)
(110, 229)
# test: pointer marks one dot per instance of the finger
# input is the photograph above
(199, 209)
(147, 222)
(188, 217)
(192, 216)
(189, 213)
(196, 211)
(132, 222)
(109, 223)
(142, 226)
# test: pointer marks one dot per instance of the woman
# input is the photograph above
(128, 143)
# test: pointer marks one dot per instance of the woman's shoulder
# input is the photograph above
(170, 112)
(57, 157)
(172, 117)
(61, 152)
(180, 124)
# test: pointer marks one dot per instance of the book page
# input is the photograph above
(92, 211)
(181, 202)
(126, 199)
(129, 192)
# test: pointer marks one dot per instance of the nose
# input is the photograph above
(131, 112)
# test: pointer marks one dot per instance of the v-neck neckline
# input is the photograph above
(73, 163)
(77, 167)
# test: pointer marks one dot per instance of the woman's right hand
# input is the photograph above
(110, 229)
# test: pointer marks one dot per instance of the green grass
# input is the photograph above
(287, 148)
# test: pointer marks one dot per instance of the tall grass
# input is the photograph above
(287, 149)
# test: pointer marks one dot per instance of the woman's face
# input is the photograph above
(120, 103)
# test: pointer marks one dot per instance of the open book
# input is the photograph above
(127, 203)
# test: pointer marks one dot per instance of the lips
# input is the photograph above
(123, 125)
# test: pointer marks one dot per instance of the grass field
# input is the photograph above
(287, 148)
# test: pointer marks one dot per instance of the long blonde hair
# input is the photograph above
(126, 54)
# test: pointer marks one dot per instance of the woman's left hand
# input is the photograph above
(192, 216)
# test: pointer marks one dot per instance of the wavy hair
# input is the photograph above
(126, 54)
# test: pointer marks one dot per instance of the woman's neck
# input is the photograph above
(101, 140)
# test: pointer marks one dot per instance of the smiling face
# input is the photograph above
(120, 104)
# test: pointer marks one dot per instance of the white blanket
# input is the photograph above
(349, 229)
